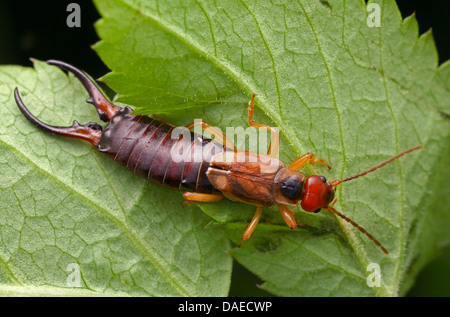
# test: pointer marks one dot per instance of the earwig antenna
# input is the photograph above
(337, 182)
(378, 243)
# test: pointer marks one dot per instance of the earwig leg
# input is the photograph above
(307, 158)
(252, 225)
(221, 137)
(90, 132)
(192, 198)
(106, 110)
(289, 218)
(274, 146)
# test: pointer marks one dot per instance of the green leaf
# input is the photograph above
(66, 208)
(352, 94)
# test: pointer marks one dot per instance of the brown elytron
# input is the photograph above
(206, 170)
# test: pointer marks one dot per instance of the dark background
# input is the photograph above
(38, 29)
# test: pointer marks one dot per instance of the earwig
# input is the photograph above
(146, 146)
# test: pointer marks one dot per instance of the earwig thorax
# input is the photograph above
(288, 187)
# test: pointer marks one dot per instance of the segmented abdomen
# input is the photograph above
(146, 147)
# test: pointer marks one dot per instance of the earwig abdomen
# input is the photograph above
(146, 147)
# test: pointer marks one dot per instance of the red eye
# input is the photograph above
(318, 193)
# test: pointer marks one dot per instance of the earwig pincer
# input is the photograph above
(146, 147)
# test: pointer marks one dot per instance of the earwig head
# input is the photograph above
(314, 192)
(317, 193)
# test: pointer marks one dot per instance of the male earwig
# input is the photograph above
(146, 147)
